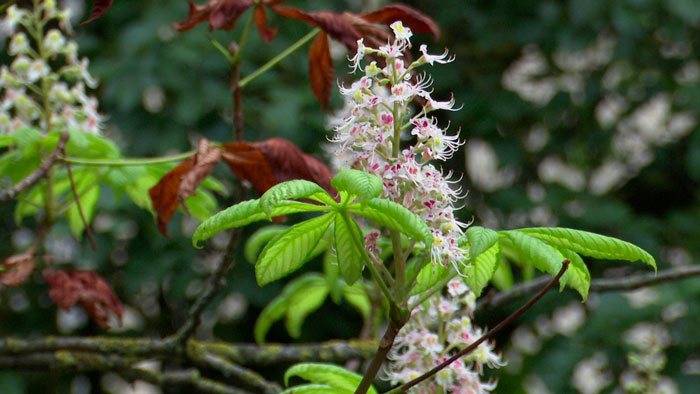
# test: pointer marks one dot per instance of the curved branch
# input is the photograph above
(629, 283)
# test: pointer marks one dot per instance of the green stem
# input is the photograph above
(272, 62)
(128, 162)
(370, 265)
(244, 38)
(437, 287)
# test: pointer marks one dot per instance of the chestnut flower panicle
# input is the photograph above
(369, 130)
(44, 85)
(377, 116)
(433, 334)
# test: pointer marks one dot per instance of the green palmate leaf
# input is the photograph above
(6, 140)
(480, 240)
(245, 213)
(291, 249)
(277, 308)
(25, 137)
(258, 240)
(273, 312)
(396, 217)
(331, 272)
(88, 202)
(503, 277)
(531, 250)
(429, 276)
(316, 389)
(201, 204)
(356, 296)
(304, 301)
(576, 276)
(361, 184)
(295, 189)
(590, 244)
(483, 269)
(347, 240)
(331, 375)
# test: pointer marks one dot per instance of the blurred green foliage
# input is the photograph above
(589, 108)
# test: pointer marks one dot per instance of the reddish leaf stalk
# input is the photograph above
(404, 387)
(237, 94)
(88, 232)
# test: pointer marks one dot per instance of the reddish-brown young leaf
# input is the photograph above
(321, 69)
(266, 33)
(221, 14)
(18, 268)
(181, 182)
(267, 163)
(204, 161)
(99, 8)
(164, 194)
(248, 163)
(87, 289)
(411, 17)
(333, 24)
(289, 162)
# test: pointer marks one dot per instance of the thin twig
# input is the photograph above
(76, 196)
(628, 283)
(485, 337)
(34, 177)
(214, 284)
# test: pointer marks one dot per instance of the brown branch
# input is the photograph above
(76, 196)
(628, 283)
(241, 354)
(34, 177)
(237, 94)
(210, 290)
(184, 378)
(396, 321)
(485, 337)
(229, 370)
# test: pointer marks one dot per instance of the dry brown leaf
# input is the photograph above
(87, 289)
(411, 17)
(321, 69)
(164, 194)
(266, 33)
(204, 161)
(221, 14)
(99, 8)
(18, 268)
(181, 182)
(330, 22)
(248, 163)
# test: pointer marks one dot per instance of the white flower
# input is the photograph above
(402, 33)
(54, 41)
(37, 69)
(19, 44)
(359, 55)
(431, 59)
(14, 16)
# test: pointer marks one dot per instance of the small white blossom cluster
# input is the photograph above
(377, 116)
(650, 342)
(44, 85)
(433, 335)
